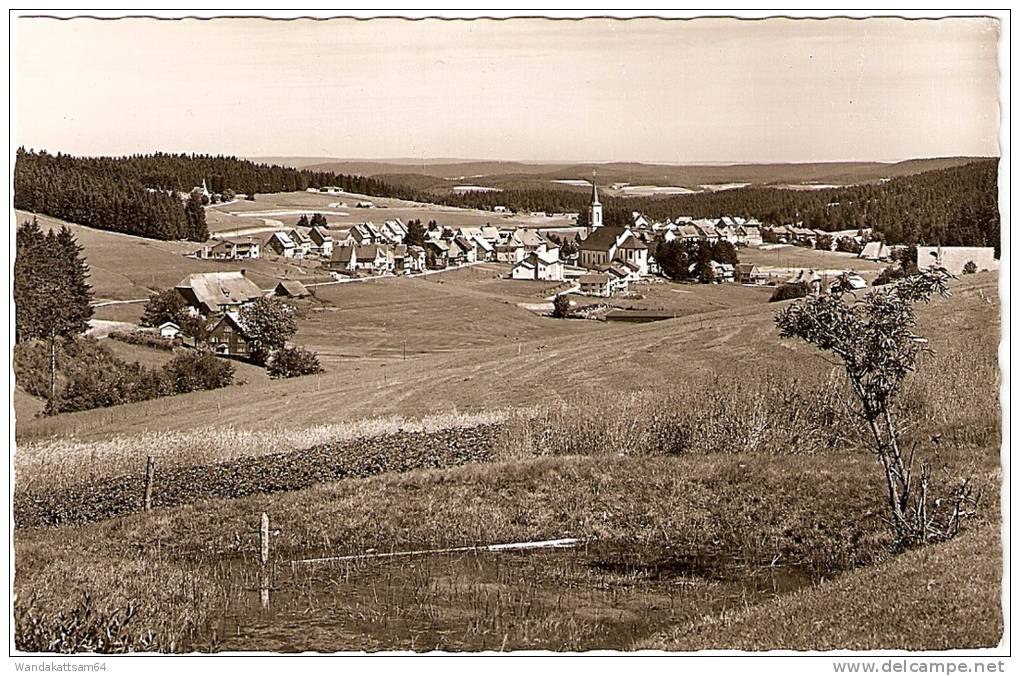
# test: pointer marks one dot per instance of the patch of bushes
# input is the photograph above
(291, 362)
(397, 452)
(970, 268)
(89, 375)
(561, 307)
(200, 370)
(849, 245)
(790, 291)
(144, 339)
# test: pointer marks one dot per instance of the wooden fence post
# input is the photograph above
(264, 539)
(150, 474)
(264, 558)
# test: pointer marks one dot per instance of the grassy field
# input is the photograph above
(800, 257)
(124, 267)
(938, 598)
(470, 351)
(223, 219)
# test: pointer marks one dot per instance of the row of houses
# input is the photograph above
(740, 231)
(734, 229)
(317, 241)
(768, 275)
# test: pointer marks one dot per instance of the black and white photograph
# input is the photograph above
(535, 333)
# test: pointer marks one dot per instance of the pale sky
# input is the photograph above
(707, 90)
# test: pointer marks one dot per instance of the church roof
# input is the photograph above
(632, 242)
(602, 239)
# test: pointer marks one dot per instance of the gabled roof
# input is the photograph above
(604, 238)
(299, 237)
(594, 279)
(535, 259)
(361, 252)
(234, 320)
(464, 244)
(283, 238)
(529, 237)
(707, 230)
(214, 290)
(490, 232)
(483, 243)
(632, 242)
(875, 250)
(292, 288)
(319, 236)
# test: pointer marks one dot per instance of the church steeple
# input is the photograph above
(595, 210)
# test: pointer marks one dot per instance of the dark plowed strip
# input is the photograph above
(398, 452)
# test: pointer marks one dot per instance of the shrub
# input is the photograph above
(561, 307)
(873, 337)
(198, 370)
(889, 275)
(970, 268)
(849, 245)
(77, 360)
(789, 291)
(143, 338)
(290, 362)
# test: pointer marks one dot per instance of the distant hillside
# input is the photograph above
(522, 175)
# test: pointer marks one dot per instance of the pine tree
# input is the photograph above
(198, 231)
(52, 295)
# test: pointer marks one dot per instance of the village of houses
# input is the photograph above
(600, 261)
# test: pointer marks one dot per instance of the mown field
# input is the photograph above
(124, 267)
(800, 257)
(722, 498)
(229, 217)
(468, 350)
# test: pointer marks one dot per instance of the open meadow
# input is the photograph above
(790, 256)
(126, 267)
(705, 466)
(287, 208)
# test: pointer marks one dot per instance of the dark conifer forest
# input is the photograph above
(138, 194)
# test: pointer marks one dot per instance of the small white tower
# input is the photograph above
(595, 210)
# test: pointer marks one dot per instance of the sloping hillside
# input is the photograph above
(532, 360)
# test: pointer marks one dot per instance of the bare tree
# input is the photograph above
(874, 339)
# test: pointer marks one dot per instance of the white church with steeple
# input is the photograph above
(612, 249)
